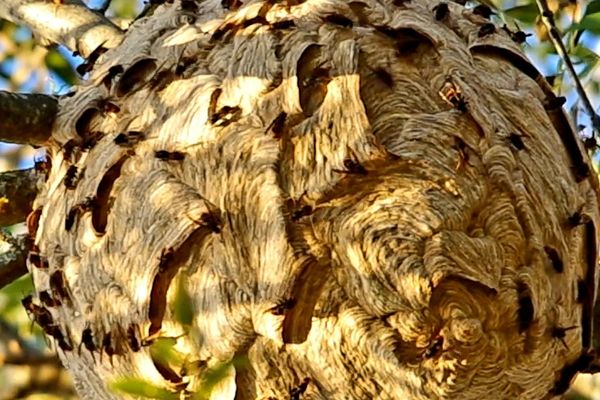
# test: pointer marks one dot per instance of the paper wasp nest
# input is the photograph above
(372, 200)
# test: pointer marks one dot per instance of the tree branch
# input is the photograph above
(71, 24)
(13, 251)
(26, 118)
(17, 192)
(548, 20)
(32, 359)
(18, 355)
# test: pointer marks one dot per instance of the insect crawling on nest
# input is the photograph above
(87, 205)
(304, 211)
(88, 65)
(133, 338)
(297, 391)
(112, 73)
(40, 315)
(434, 348)
(37, 260)
(166, 256)
(352, 167)
(452, 94)
(165, 155)
(58, 286)
(560, 333)
(278, 124)
(43, 165)
(56, 333)
(128, 139)
(108, 347)
(590, 143)
(579, 217)
(281, 307)
(47, 299)
(72, 176)
(486, 30)
(211, 221)
(484, 11)
(87, 340)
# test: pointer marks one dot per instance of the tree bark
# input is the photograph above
(18, 190)
(12, 258)
(67, 22)
(369, 200)
(28, 118)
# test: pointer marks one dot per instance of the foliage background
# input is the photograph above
(27, 67)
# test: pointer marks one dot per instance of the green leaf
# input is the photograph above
(56, 63)
(593, 87)
(241, 362)
(210, 378)
(592, 8)
(163, 351)
(7, 27)
(140, 387)
(15, 291)
(125, 8)
(590, 22)
(184, 314)
(527, 13)
(589, 67)
(585, 54)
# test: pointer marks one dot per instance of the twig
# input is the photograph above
(17, 192)
(32, 359)
(26, 118)
(72, 24)
(548, 20)
(12, 258)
